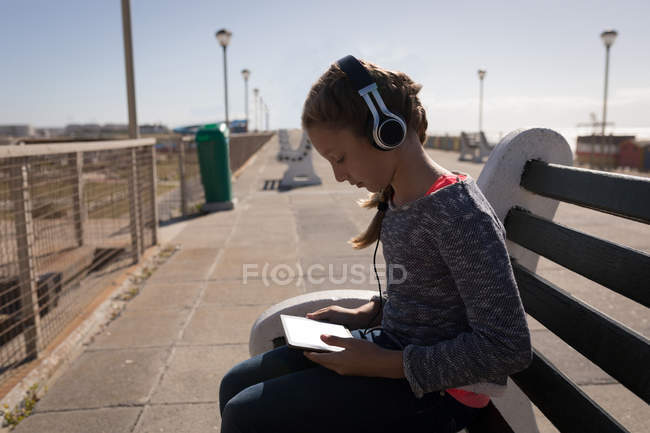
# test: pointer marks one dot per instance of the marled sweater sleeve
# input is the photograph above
(472, 245)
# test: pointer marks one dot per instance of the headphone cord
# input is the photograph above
(382, 207)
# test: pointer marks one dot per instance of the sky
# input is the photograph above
(63, 61)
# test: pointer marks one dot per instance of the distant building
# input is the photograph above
(600, 150)
(16, 130)
(87, 130)
(632, 154)
(156, 128)
(48, 132)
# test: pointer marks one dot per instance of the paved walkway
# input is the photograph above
(157, 368)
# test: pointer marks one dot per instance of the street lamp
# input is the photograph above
(246, 73)
(261, 113)
(608, 37)
(266, 108)
(223, 36)
(256, 92)
(481, 75)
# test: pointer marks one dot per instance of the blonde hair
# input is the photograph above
(333, 103)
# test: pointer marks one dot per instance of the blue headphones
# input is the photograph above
(388, 129)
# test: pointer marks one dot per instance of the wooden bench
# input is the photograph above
(525, 176)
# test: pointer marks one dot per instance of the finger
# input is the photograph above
(333, 340)
(317, 312)
(316, 357)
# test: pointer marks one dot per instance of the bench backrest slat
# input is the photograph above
(618, 350)
(619, 268)
(561, 400)
(618, 194)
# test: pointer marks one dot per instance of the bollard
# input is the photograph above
(214, 163)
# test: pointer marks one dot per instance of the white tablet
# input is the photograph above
(303, 333)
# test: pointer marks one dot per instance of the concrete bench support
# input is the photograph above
(301, 168)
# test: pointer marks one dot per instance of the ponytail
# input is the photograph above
(380, 201)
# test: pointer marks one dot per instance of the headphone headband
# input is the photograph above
(355, 72)
(388, 129)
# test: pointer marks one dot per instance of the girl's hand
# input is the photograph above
(360, 358)
(351, 318)
(348, 317)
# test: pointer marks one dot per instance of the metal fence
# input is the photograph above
(180, 192)
(179, 180)
(68, 214)
(71, 213)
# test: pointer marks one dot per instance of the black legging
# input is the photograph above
(282, 391)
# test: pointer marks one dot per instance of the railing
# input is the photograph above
(69, 213)
(179, 180)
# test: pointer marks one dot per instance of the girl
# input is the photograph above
(452, 328)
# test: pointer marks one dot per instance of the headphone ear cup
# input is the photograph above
(391, 132)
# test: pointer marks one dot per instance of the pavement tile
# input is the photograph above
(178, 273)
(197, 236)
(340, 265)
(253, 292)
(163, 295)
(195, 372)
(369, 283)
(142, 328)
(318, 245)
(106, 378)
(216, 324)
(277, 252)
(180, 418)
(236, 260)
(200, 258)
(107, 420)
(259, 237)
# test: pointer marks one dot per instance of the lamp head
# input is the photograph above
(223, 36)
(481, 73)
(245, 73)
(608, 37)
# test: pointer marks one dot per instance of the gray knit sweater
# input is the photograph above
(456, 307)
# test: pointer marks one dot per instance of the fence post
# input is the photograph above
(154, 199)
(139, 182)
(25, 242)
(181, 170)
(136, 238)
(75, 162)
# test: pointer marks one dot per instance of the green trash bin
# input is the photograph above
(214, 163)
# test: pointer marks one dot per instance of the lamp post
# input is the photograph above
(266, 109)
(608, 37)
(134, 131)
(246, 73)
(481, 75)
(261, 113)
(256, 92)
(223, 36)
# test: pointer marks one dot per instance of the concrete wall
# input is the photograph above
(243, 146)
